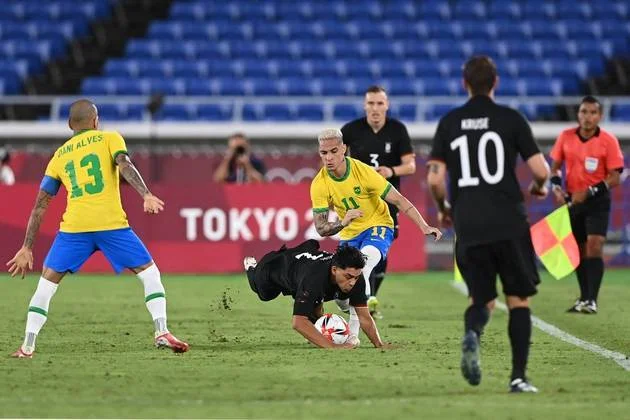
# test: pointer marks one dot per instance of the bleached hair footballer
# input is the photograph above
(330, 134)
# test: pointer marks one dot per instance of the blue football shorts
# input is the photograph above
(380, 237)
(122, 248)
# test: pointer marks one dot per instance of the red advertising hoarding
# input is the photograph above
(205, 228)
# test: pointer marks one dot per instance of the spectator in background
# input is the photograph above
(239, 165)
(6, 173)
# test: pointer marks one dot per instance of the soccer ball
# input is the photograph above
(334, 328)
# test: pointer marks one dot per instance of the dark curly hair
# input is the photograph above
(348, 256)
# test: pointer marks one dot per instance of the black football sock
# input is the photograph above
(595, 270)
(520, 332)
(475, 318)
(582, 277)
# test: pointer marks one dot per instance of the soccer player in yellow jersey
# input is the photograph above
(88, 166)
(358, 194)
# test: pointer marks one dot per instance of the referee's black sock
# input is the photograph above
(475, 318)
(595, 270)
(520, 332)
(582, 276)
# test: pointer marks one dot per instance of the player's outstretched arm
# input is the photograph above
(326, 228)
(368, 325)
(302, 325)
(23, 259)
(128, 170)
(405, 206)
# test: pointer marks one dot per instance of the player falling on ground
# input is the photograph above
(384, 143)
(594, 163)
(359, 196)
(479, 143)
(312, 277)
(88, 166)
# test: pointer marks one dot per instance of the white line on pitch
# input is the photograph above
(619, 358)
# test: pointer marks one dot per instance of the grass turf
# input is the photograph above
(95, 356)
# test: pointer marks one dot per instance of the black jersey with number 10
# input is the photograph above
(480, 142)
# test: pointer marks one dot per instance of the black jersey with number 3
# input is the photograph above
(384, 148)
(480, 142)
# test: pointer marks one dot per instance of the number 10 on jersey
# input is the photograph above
(467, 180)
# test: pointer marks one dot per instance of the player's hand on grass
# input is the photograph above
(152, 204)
(354, 340)
(345, 346)
(537, 191)
(21, 262)
(350, 216)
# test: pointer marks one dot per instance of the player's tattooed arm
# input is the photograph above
(35, 220)
(324, 227)
(129, 171)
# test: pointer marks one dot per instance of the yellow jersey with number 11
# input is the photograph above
(86, 166)
(361, 188)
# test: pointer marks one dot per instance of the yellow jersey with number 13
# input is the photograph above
(86, 166)
(361, 188)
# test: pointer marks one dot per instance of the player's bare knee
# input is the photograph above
(517, 302)
(143, 267)
(52, 275)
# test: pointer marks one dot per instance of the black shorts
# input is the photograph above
(590, 217)
(264, 279)
(514, 260)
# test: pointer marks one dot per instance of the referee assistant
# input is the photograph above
(593, 163)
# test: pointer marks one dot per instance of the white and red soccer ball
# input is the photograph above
(334, 328)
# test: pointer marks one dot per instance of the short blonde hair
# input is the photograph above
(330, 134)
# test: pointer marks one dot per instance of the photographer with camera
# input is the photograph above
(239, 165)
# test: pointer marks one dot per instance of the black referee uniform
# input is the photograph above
(383, 148)
(303, 272)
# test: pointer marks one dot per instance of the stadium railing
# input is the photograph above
(420, 128)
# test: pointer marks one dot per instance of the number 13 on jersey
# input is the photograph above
(94, 170)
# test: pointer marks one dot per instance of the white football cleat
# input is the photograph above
(249, 262)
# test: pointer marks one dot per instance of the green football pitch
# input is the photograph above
(95, 356)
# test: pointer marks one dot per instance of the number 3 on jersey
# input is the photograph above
(467, 180)
(94, 171)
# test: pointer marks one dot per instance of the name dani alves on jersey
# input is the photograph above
(79, 144)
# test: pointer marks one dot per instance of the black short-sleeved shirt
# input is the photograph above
(308, 279)
(479, 142)
(384, 148)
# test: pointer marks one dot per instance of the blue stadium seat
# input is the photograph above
(405, 112)
(346, 112)
(296, 86)
(504, 10)
(214, 112)
(278, 112)
(253, 112)
(175, 112)
(310, 112)
(436, 112)
(574, 10)
(201, 87)
(620, 113)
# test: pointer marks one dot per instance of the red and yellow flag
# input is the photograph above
(555, 244)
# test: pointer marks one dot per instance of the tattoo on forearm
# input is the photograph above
(35, 220)
(434, 168)
(326, 228)
(131, 174)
